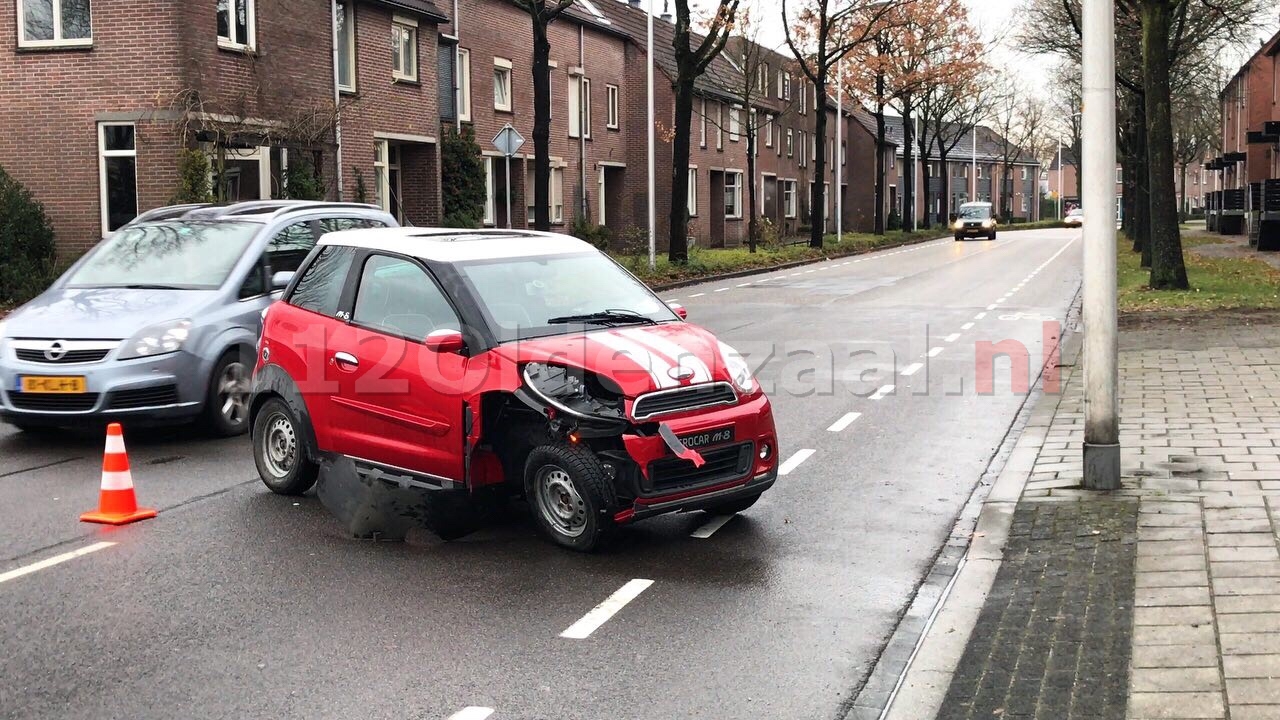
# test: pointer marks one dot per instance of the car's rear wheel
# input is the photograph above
(226, 407)
(733, 507)
(991, 236)
(278, 452)
(569, 495)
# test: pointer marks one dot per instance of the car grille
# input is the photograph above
(665, 402)
(71, 356)
(722, 465)
(143, 397)
(54, 402)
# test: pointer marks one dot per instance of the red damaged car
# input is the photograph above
(419, 375)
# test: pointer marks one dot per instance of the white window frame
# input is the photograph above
(735, 123)
(1119, 176)
(502, 66)
(691, 197)
(763, 79)
(702, 123)
(611, 102)
(402, 29)
(586, 107)
(490, 202)
(103, 154)
(790, 142)
(464, 84)
(789, 205)
(753, 126)
(737, 192)
(980, 173)
(234, 43)
(58, 40)
(719, 126)
(786, 86)
(555, 194)
(349, 22)
(573, 98)
(804, 99)
(768, 131)
(1023, 201)
(1024, 173)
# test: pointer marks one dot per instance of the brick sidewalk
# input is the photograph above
(1200, 433)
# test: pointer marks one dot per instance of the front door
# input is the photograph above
(715, 214)
(399, 403)
(771, 199)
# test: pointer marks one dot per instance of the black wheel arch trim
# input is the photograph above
(272, 381)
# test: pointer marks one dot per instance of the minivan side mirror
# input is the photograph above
(444, 341)
(280, 280)
(679, 310)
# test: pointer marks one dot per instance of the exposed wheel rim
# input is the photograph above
(559, 501)
(232, 394)
(279, 446)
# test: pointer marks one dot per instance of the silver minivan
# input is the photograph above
(159, 322)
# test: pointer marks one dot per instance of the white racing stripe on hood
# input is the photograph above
(659, 369)
(678, 356)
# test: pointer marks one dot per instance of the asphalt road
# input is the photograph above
(238, 603)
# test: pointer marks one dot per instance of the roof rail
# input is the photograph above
(306, 205)
(254, 207)
(167, 212)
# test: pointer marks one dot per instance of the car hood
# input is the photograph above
(101, 313)
(639, 359)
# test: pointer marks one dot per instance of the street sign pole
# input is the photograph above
(1102, 424)
(508, 163)
(508, 141)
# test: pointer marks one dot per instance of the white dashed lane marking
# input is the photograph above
(935, 352)
(743, 284)
(55, 560)
(600, 615)
(711, 527)
(883, 391)
(912, 369)
(979, 316)
(697, 295)
(992, 306)
(966, 326)
(724, 289)
(794, 461)
(951, 338)
(472, 713)
(844, 422)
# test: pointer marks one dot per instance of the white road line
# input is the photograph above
(912, 369)
(844, 422)
(600, 615)
(935, 352)
(743, 284)
(879, 394)
(979, 316)
(795, 274)
(992, 306)
(794, 461)
(807, 272)
(711, 527)
(723, 289)
(966, 326)
(674, 300)
(696, 295)
(472, 713)
(952, 337)
(55, 560)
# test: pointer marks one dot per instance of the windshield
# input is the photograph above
(552, 295)
(975, 212)
(184, 255)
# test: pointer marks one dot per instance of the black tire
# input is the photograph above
(733, 507)
(227, 414)
(992, 236)
(282, 471)
(584, 497)
(959, 238)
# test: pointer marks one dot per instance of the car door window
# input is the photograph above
(397, 296)
(320, 287)
(255, 283)
(329, 225)
(290, 246)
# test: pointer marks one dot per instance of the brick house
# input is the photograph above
(1251, 120)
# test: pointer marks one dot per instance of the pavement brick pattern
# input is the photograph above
(1053, 638)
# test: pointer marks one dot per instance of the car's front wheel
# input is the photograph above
(991, 235)
(278, 452)
(226, 407)
(959, 238)
(569, 495)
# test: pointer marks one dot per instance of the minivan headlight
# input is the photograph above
(739, 371)
(959, 225)
(159, 339)
(988, 223)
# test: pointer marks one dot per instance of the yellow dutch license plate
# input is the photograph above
(51, 384)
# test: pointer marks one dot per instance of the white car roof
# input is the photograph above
(451, 245)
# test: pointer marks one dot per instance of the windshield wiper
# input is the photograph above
(148, 286)
(604, 317)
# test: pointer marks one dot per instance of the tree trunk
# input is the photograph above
(753, 220)
(541, 126)
(881, 131)
(1167, 269)
(678, 247)
(922, 142)
(817, 197)
(1182, 201)
(908, 167)
(945, 190)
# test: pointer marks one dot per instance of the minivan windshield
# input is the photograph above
(178, 255)
(975, 212)
(558, 294)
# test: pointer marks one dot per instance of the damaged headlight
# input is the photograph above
(575, 391)
(739, 371)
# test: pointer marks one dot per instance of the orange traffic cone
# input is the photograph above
(116, 503)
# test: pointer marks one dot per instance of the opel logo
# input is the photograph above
(680, 373)
(55, 352)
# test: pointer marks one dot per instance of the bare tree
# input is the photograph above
(1018, 119)
(541, 14)
(951, 111)
(1197, 123)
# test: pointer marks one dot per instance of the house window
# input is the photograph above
(490, 204)
(1024, 202)
(235, 22)
(735, 123)
(117, 174)
(786, 86)
(1024, 176)
(768, 131)
(611, 96)
(733, 194)
(404, 49)
(789, 198)
(386, 176)
(1119, 176)
(586, 108)
(345, 29)
(579, 95)
(753, 127)
(691, 197)
(789, 142)
(702, 123)
(980, 172)
(804, 99)
(55, 23)
(719, 126)
(502, 84)
(803, 146)
(762, 79)
(555, 191)
(464, 85)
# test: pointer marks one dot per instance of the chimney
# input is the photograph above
(666, 17)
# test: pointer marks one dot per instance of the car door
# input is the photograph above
(399, 403)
